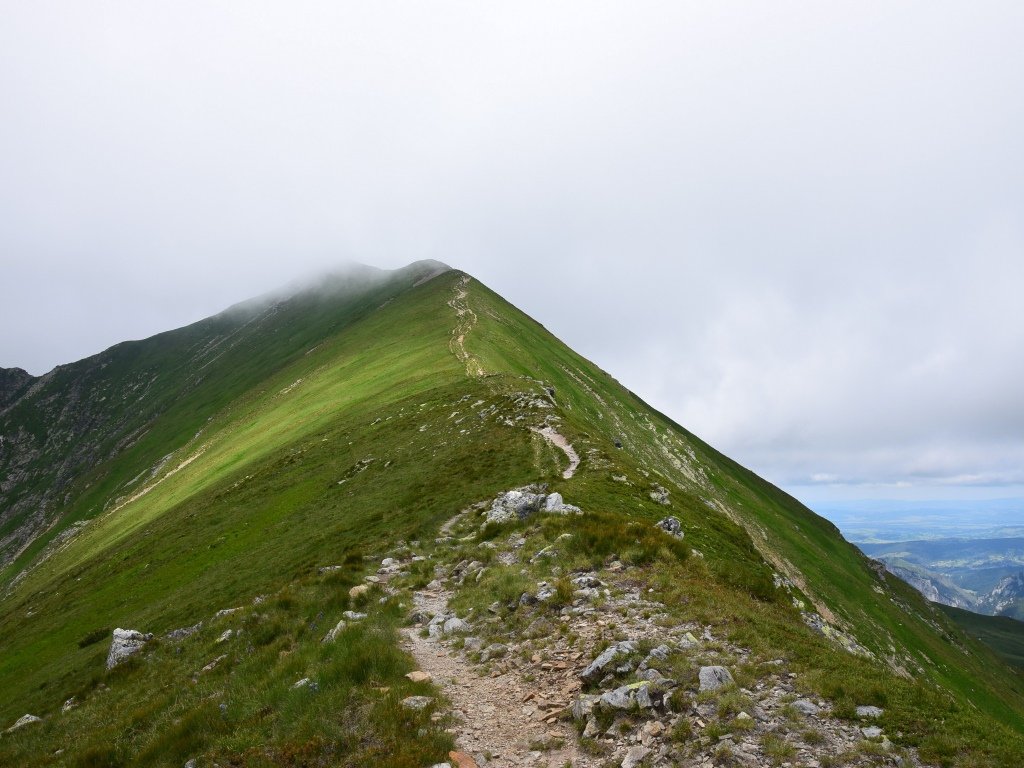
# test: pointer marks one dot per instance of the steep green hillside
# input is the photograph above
(140, 400)
(1000, 633)
(350, 424)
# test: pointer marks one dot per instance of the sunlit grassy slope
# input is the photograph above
(364, 428)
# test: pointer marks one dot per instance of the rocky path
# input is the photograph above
(645, 685)
(502, 718)
(466, 320)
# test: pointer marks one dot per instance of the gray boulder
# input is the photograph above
(660, 495)
(635, 756)
(713, 678)
(181, 634)
(648, 696)
(583, 706)
(865, 712)
(620, 698)
(417, 702)
(126, 643)
(516, 504)
(871, 732)
(595, 670)
(331, 636)
(671, 526)
(545, 591)
(661, 653)
(806, 707)
(23, 721)
(455, 624)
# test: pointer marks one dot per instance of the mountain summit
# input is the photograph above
(390, 519)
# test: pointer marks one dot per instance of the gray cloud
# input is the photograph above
(794, 227)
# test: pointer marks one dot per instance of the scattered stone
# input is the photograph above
(329, 569)
(455, 624)
(23, 721)
(595, 670)
(213, 664)
(126, 642)
(181, 634)
(806, 707)
(661, 653)
(358, 591)
(354, 615)
(688, 641)
(713, 678)
(191, 763)
(646, 698)
(545, 591)
(417, 702)
(660, 495)
(547, 552)
(516, 504)
(69, 704)
(462, 760)
(225, 612)
(419, 677)
(331, 636)
(306, 683)
(865, 712)
(871, 731)
(672, 526)
(583, 706)
(635, 756)
(227, 635)
(620, 698)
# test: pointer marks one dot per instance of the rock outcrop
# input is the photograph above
(126, 643)
(23, 721)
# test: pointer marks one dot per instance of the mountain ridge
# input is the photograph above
(417, 400)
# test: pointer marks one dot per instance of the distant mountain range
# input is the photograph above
(981, 575)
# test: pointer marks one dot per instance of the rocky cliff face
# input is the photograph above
(1006, 598)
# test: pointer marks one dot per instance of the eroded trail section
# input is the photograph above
(501, 716)
(559, 441)
(466, 320)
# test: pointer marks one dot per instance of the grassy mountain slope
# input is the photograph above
(139, 400)
(1001, 633)
(365, 419)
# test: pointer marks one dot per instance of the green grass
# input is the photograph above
(1002, 634)
(384, 438)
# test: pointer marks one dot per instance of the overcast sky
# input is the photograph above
(795, 227)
